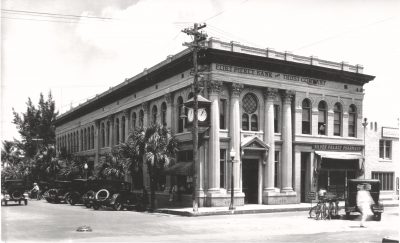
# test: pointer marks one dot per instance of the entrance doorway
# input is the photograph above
(250, 180)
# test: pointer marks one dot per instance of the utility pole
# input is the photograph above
(195, 45)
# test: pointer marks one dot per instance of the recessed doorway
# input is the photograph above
(250, 180)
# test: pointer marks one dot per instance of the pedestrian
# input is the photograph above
(364, 202)
(35, 191)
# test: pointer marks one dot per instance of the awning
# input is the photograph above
(180, 168)
(338, 155)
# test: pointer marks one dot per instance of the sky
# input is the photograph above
(110, 40)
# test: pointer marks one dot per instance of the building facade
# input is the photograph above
(294, 123)
(382, 157)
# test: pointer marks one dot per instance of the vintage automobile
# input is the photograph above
(80, 189)
(115, 194)
(373, 186)
(93, 187)
(13, 191)
(57, 191)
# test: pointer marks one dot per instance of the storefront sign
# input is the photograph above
(390, 132)
(263, 73)
(337, 147)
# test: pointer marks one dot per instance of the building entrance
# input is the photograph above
(250, 180)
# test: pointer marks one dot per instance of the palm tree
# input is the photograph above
(111, 166)
(154, 146)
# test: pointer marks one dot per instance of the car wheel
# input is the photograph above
(96, 206)
(88, 205)
(26, 202)
(5, 203)
(118, 206)
(347, 215)
(378, 216)
(19, 202)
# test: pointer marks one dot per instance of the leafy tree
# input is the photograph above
(153, 146)
(35, 126)
(111, 166)
(10, 153)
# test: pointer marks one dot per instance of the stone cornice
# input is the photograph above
(270, 94)
(214, 87)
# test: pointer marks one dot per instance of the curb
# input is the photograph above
(243, 211)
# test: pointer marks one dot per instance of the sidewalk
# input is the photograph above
(252, 208)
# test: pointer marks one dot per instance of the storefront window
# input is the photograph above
(222, 114)
(276, 118)
(276, 169)
(386, 179)
(222, 166)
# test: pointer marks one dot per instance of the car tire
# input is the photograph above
(25, 202)
(99, 195)
(96, 206)
(378, 216)
(87, 205)
(118, 206)
(347, 215)
(5, 203)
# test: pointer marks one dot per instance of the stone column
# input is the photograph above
(214, 88)
(269, 97)
(234, 131)
(287, 141)
(330, 121)
(314, 120)
(145, 108)
(345, 124)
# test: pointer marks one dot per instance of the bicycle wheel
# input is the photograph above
(324, 211)
(318, 211)
(331, 210)
(312, 213)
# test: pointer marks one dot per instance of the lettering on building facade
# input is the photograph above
(337, 147)
(268, 74)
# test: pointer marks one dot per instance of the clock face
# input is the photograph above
(202, 114)
(190, 115)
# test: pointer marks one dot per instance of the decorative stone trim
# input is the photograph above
(236, 89)
(287, 96)
(168, 98)
(145, 107)
(270, 94)
(214, 86)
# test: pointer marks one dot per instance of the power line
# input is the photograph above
(41, 20)
(54, 14)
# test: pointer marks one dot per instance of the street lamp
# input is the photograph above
(85, 166)
(364, 124)
(232, 154)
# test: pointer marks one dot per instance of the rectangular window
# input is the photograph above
(352, 125)
(385, 149)
(276, 119)
(386, 179)
(222, 166)
(276, 169)
(222, 114)
(336, 124)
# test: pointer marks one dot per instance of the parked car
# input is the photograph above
(373, 186)
(13, 191)
(93, 187)
(115, 194)
(57, 191)
(80, 189)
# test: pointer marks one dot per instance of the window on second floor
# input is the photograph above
(352, 121)
(306, 117)
(385, 149)
(141, 118)
(337, 119)
(322, 110)
(180, 114)
(164, 114)
(154, 115)
(250, 112)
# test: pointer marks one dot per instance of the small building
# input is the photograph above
(382, 158)
(294, 122)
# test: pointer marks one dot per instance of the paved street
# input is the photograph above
(41, 221)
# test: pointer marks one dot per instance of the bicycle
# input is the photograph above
(319, 211)
(333, 208)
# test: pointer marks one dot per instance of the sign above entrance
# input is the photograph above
(268, 74)
(337, 147)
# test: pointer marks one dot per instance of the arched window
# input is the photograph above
(352, 121)
(306, 117)
(164, 114)
(180, 113)
(103, 136)
(108, 134)
(245, 122)
(85, 139)
(337, 119)
(141, 118)
(123, 129)
(133, 120)
(116, 131)
(154, 115)
(254, 123)
(322, 118)
(250, 108)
